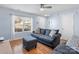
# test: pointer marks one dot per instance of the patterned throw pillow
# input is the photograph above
(52, 33)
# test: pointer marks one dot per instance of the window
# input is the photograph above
(22, 24)
(27, 25)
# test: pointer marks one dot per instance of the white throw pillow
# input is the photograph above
(52, 33)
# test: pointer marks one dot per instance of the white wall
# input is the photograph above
(54, 22)
(6, 22)
(76, 23)
(64, 22)
(41, 22)
(67, 25)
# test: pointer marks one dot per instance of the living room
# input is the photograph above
(39, 28)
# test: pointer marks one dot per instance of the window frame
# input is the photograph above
(31, 22)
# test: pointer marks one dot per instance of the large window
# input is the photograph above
(22, 24)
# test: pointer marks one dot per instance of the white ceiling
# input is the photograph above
(35, 8)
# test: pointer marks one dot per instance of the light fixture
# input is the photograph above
(41, 9)
(46, 15)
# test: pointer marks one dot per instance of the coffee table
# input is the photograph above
(29, 42)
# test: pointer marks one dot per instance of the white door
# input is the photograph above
(67, 26)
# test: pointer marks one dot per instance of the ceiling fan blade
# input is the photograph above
(45, 6)
(48, 7)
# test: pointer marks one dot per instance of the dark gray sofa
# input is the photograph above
(47, 40)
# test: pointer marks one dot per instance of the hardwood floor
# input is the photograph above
(17, 48)
(41, 49)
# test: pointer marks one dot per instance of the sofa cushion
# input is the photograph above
(46, 38)
(47, 31)
(43, 37)
(42, 31)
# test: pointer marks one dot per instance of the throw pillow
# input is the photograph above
(42, 31)
(52, 33)
(47, 31)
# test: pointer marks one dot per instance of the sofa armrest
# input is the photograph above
(56, 40)
(33, 31)
(56, 36)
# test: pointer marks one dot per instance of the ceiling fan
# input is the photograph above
(45, 6)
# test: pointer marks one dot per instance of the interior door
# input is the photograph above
(67, 26)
